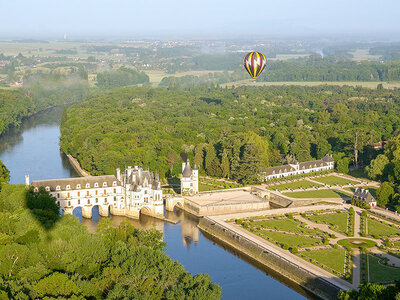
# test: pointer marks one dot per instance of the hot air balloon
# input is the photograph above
(254, 63)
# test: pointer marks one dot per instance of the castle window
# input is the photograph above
(145, 191)
(104, 183)
(58, 195)
(97, 200)
(105, 191)
(79, 201)
(97, 192)
(58, 188)
(68, 195)
(88, 202)
(87, 185)
(68, 187)
(47, 188)
(87, 193)
(114, 183)
(69, 203)
(58, 203)
(79, 193)
(115, 198)
(96, 184)
(115, 191)
(78, 186)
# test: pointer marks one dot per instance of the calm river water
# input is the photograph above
(34, 149)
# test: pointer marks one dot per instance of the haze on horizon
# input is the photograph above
(207, 18)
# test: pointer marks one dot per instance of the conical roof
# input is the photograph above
(187, 172)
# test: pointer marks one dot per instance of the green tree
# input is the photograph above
(250, 167)
(4, 174)
(225, 166)
(384, 194)
(212, 164)
(342, 165)
(377, 166)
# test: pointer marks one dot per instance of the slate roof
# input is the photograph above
(364, 195)
(138, 177)
(73, 182)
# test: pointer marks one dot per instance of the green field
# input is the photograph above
(294, 185)
(359, 174)
(380, 273)
(206, 187)
(376, 228)
(317, 194)
(337, 220)
(334, 180)
(290, 239)
(332, 258)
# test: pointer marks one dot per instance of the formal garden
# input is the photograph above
(336, 180)
(340, 220)
(325, 193)
(295, 185)
(378, 228)
(377, 269)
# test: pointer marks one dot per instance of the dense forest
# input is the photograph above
(44, 256)
(40, 91)
(223, 130)
(121, 77)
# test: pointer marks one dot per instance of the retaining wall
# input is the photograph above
(315, 284)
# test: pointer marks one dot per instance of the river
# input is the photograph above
(33, 149)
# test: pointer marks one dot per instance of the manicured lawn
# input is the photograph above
(334, 180)
(290, 239)
(282, 224)
(337, 220)
(380, 273)
(360, 174)
(317, 194)
(294, 185)
(332, 258)
(376, 228)
(371, 189)
(396, 244)
(357, 243)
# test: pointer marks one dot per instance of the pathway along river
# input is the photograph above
(34, 149)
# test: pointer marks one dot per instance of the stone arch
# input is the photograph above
(145, 210)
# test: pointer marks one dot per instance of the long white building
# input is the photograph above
(295, 168)
(126, 194)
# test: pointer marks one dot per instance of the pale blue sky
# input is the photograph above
(78, 18)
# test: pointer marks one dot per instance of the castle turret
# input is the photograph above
(118, 174)
(27, 179)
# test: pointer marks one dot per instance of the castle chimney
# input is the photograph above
(27, 179)
(119, 174)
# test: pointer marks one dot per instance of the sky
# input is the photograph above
(198, 18)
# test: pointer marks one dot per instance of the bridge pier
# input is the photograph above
(68, 210)
(87, 212)
(103, 210)
(172, 201)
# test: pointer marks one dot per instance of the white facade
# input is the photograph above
(189, 179)
(295, 168)
(124, 194)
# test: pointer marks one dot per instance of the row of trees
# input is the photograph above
(45, 256)
(151, 126)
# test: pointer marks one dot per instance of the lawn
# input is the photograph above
(360, 174)
(371, 189)
(294, 185)
(337, 220)
(317, 194)
(396, 244)
(282, 224)
(376, 228)
(380, 273)
(332, 258)
(357, 243)
(290, 239)
(334, 180)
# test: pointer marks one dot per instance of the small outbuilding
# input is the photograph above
(364, 196)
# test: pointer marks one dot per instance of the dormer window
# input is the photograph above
(78, 186)
(104, 183)
(68, 187)
(58, 188)
(47, 188)
(114, 183)
(96, 184)
(87, 185)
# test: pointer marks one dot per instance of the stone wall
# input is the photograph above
(286, 268)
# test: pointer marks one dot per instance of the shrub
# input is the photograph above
(285, 247)
(290, 216)
(336, 246)
(294, 250)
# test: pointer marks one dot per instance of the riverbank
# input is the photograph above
(77, 167)
(315, 280)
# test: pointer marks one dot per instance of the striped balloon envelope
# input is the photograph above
(254, 63)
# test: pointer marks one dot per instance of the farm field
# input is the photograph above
(327, 193)
(380, 273)
(338, 221)
(294, 185)
(334, 180)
